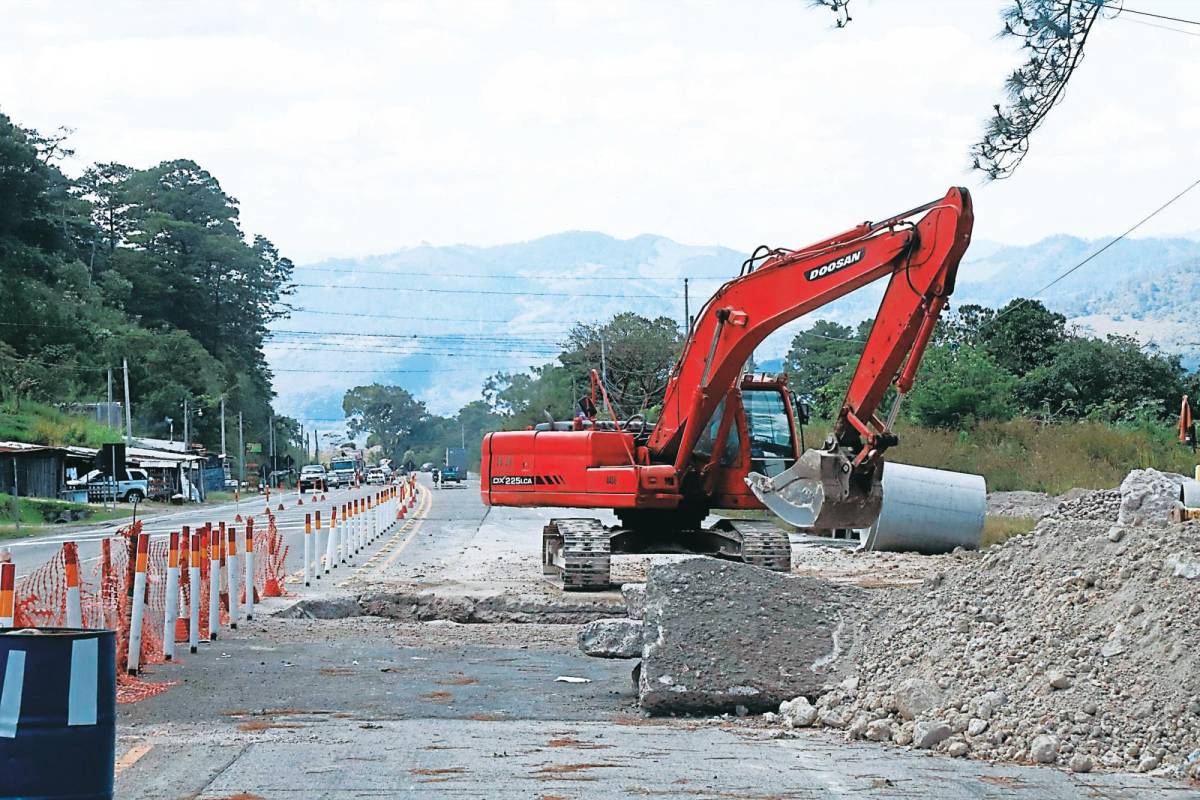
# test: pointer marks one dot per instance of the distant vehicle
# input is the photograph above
(313, 477)
(231, 483)
(428, 466)
(333, 480)
(100, 487)
(457, 457)
(349, 467)
(375, 475)
(452, 473)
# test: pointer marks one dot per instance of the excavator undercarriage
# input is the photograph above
(577, 552)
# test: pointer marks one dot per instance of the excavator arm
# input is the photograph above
(920, 250)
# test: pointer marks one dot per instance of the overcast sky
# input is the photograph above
(348, 128)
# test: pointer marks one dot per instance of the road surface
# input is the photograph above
(364, 707)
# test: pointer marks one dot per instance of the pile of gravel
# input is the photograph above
(1100, 505)
(1076, 645)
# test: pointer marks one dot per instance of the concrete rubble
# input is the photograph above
(611, 638)
(720, 634)
(1147, 497)
(1074, 645)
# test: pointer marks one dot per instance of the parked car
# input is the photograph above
(375, 475)
(313, 477)
(101, 487)
(333, 480)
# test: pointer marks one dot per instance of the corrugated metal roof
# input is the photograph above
(24, 447)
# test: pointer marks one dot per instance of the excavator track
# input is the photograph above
(760, 544)
(577, 554)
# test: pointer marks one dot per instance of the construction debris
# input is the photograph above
(721, 634)
(1073, 645)
(611, 638)
(1147, 497)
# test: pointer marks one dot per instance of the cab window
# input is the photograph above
(771, 447)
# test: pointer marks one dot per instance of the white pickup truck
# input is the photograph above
(100, 487)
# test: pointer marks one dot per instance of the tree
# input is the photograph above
(959, 388)
(388, 414)
(1052, 35)
(818, 354)
(1022, 335)
(637, 355)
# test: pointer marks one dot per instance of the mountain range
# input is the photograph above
(439, 320)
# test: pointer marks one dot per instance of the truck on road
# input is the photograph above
(455, 468)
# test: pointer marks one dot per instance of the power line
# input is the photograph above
(1126, 10)
(542, 276)
(1133, 228)
(1160, 27)
(427, 290)
(419, 336)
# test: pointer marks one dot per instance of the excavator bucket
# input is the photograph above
(818, 492)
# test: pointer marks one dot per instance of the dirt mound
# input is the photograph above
(1075, 644)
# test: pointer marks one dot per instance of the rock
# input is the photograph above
(1116, 533)
(1147, 764)
(798, 713)
(832, 719)
(1080, 763)
(957, 749)
(1147, 497)
(1182, 568)
(976, 726)
(332, 607)
(728, 633)
(928, 733)
(635, 599)
(1044, 749)
(904, 735)
(1058, 680)
(611, 638)
(915, 696)
(878, 730)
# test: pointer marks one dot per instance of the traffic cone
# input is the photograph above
(280, 507)
(237, 518)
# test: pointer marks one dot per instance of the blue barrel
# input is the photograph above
(58, 711)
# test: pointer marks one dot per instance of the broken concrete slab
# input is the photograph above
(719, 634)
(611, 638)
(428, 606)
(1147, 497)
(635, 599)
(322, 607)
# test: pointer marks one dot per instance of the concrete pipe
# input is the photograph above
(1189, 493)
(928, 511)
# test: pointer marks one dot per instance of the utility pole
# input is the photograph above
(108, 411)
(603, 363)
(304, 440)
(271, 439)
(186, 420)
(687, 311)
(223, 451)
(241, 454)
(128, 405)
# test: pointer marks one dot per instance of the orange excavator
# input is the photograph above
(728, 440)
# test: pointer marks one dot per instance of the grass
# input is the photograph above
(1027, 454)
(998, 530)
(41, 424)
(37, 515)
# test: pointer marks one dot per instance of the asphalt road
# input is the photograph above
(29, 553)
(368, 707)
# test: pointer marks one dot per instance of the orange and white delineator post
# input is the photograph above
(308, 549)
(320, 546)
(171, 613)
(233, 565)
(214, 584)
(331, 545)
(194, 598)
(8, 599)
(372, 519)
(74, 600)
(139, 602)
(360, 541)
(249, 582)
